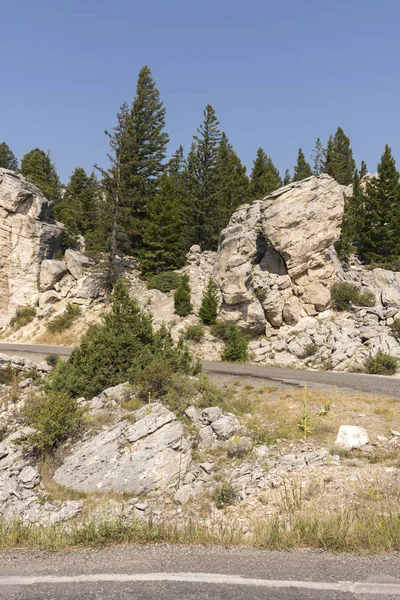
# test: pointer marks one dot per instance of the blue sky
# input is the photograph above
(279, 74)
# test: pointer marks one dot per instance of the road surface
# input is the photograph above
(175, 573)
(370, 384)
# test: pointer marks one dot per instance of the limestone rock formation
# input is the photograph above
(275, 261)
(27, 237)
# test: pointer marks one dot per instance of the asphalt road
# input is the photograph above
(370, 384)
(174, 573)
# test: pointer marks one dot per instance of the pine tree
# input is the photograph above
(318, 158)
(363, 169)
(232, 184)
(164, 240)
(265, 176)
(352, 222)
(302, 170)
(202, 183)
(379, 239)
(143, 155)
(287, 178)
(8, 160)
(209, 303)
(339, 162)
(182, 302)
(37, 168)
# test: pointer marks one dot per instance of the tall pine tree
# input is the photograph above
(37, 168)
(339, 161)
(287, 178)
(8, 160)
(363, 169)
(318, 158)
(302, 170)
(352, 222)
(265, 176)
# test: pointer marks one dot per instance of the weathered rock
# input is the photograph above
(50, 297)
(352, 436)
(51, 271)
(77, 263)
(148, 455)
(225, 426)
(27, 237)
(89, 287)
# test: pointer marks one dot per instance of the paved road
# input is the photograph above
(371, 384)
(174, 573)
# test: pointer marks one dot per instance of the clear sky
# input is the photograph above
(278, 73)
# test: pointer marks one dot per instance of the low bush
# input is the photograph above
(164, 282)
(220, 329)
(260, 294)
(52, 359)
(209, 303)
(23, 316)
(55, 417)
(310, 350)
(395, 327)
(235, 345)
(224, 495)
(195, 332)
(382, 364)
(64, 321)
(344, 295)
(8, 375)
(182, 303)
(154, 380)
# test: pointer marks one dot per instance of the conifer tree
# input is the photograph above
(339, 161)
(302, 170)
(202, 183)
(287, 178)
(318, 158)
(363, 169)
(232, 184)
(379, 239)
(352, 222)
(182, 302)
(37, 168)
(164, 239)
(209, 303)
(265, 176)
(8, 160)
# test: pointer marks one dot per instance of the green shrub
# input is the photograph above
(260, 294)
(154, 380)
(8, 374)
(23, 316)
(395, 327)
(182, 303)
(224, 495)
(165, 282)
(64, 321)
(235, 345)
(220, 329)
(310, 350)
(344, 295)
(195, 332)
(382, 364)
(52, 359)
(209, 303)
(115, 350)
(55, 417)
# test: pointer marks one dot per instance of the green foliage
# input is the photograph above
(117, 349)
(366, 299)
(55, 417)
(287, 178)
(236, 343)
(220, 329)
(260, 294)
(65, 320)
(182, 303)
(7, 374)
(154, 380)
(382, 364)
(339, 161)
(37, 168)
(363, 169)
(52, 359)
(395, 327)
(302, 170)
(195, 332)
(164, 282)
(352, 222)
(224, 495)
(310, 350)
(318, 158)
(23, 316)
(305, 421)
(8, 159)
(209, 303)
(344, 295)
(265, 176)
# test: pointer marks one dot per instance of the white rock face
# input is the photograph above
(148, 455)
(351, 436)
(27, 237)
(51, 271)
(276, 256)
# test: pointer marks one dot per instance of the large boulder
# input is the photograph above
(278, 252)
(77, 262)
(149, 455)
(28, 236)
(51, 271)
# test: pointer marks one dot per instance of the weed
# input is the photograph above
(305, 422)
(65, 320)
(23, 316)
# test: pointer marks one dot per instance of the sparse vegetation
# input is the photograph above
(164, 282)
(23, 316)
(310, 350)
(382, 364)
(224, 495)
(8, 374)
(235, 345)
(220, 329)
(52, 359)
(194, 333)
(260, 294)
(344, 295)
(209, 303)
(395, 327)
(65, 320)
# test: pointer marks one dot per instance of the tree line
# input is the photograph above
(154, 208)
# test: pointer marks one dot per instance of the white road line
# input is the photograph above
(355, 587)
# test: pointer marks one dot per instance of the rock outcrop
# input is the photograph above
(275, 261)
(28, 236)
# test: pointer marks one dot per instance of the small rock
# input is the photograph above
(141, 505)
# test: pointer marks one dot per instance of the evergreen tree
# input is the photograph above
(182, 302)
(379, 239)
(8, 160)
(265, 176)
(352, 222)
(339, 162)
(302, 170)
(287, 178)
(164, 240)
(232, 184)
(202, 183)
(318, 158)
(209, 303)
(142, 157)
(363, 169)
(37, 168)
